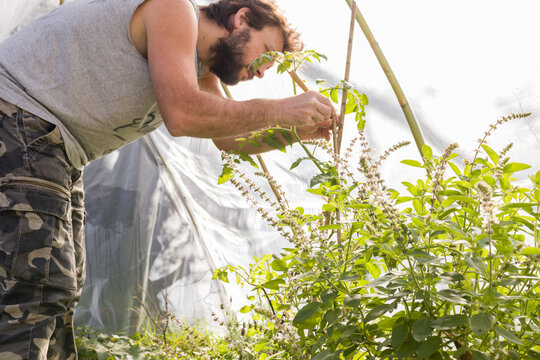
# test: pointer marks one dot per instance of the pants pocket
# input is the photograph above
(36, 243)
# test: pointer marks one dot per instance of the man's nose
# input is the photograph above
(262, 69)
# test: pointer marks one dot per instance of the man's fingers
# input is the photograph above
(317, 118)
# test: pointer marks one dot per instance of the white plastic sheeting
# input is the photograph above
(158, 225)
(157, 222)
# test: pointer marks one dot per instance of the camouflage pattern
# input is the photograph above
(42, 254)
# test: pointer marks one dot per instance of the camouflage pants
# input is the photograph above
(42, 254)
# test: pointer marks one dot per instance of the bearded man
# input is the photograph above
(88, 78)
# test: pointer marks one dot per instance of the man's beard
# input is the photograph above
(226, 57)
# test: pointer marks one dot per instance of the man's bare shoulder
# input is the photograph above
(149, 10)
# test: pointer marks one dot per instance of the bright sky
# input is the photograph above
(462, 64)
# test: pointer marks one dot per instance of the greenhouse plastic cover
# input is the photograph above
(158, 224)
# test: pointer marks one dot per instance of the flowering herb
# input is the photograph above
(450, 269)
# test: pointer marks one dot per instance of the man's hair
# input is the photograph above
(261, 13)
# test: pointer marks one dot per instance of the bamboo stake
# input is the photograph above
(337, 129)
(61, 2)
(403, 102)
(340, 125)
(297, 80)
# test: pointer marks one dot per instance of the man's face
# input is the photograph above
(231, 55)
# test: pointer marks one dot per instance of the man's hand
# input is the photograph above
(315, 132)
(309, 110)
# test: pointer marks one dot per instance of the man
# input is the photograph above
(88, 78)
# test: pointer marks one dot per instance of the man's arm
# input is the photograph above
(171, 38)
(210, 83)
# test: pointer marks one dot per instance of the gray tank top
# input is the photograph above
(76, 67)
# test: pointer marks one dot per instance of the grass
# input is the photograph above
(184, 342)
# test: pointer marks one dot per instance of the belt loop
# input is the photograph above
(20, 125)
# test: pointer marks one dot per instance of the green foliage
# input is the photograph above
(356, 101)
(92, 345)
(179, 342)
(447, 269)
(287, 61)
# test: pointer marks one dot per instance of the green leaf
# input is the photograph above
(245, 157)
(454, 168)
(319, 179)
(378, 311)
(328, 297)
(421, 328)
(226, 174)
(297, 162)
(450, 322)
(246, 309)
(331, 316)
(452, 276)
(428, 347)
(530, 251)
(514, 167)
(451, 199)
(273, 284)
(334, 95)
(508, 335)
(491, 153)
(481, 323)
(428, 152)
(221, 274)
(526, 206)
(453, 296)
(407, 349)
(420, 210)
(373, 269)
(361, 123)
(274, 142)
(306, 313)
(279, 265)
(412, 163)
(352, 301)
(329, 208)
(326, 355)
(399, 334)
(475, 263)
(522, 221)
(364, 99)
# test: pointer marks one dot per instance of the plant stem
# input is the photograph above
(536, 228)
(309, 154)
(282, 203)
(403, 102)
(490, 260)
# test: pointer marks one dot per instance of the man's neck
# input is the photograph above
(209, 33)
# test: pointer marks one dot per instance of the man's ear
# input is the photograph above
(240, 18)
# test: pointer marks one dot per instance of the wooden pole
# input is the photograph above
(298, 81)
(402, 99)
(338, 137)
